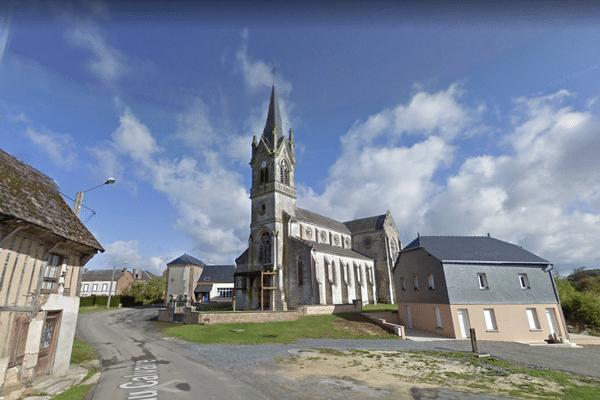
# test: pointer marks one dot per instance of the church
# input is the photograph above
(296, 257)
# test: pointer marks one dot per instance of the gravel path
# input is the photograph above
(581, 361)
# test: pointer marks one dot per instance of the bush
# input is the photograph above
(582, 307)
(86, 301)
(115, 301)
(101, 301)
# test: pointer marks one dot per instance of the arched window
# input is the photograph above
(300, 272)
(264, 175)
(264, 255)
(284, 172)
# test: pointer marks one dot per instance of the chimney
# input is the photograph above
(135, 274)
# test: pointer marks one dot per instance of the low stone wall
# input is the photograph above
(206, 318)
(190, 316)
(356, 307)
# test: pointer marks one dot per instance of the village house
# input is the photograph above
(43, 248)
(215, 285)
(296, 257)
(182, 277)
(447, 285)
(100, 282)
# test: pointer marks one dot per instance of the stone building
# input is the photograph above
(43, 248)
(182, 276)
(296, 257)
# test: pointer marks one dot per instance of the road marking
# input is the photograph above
(145, 376)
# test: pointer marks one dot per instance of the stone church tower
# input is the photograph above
(296, 257)
(273, 193)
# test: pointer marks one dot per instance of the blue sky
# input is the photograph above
(459, 120)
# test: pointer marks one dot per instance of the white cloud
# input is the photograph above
(109, 64)
(4, 31)
(438, 114)
(60, 148)
(211, 200)
(545, 195)
(194, 127)
(134, 138)
(119, 252)
(258, 74)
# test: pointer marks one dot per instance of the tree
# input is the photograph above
(148, 291)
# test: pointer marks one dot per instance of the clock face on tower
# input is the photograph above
(263, 164)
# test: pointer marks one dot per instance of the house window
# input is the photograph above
(430, 282)
(490, 319)
(52, 273)
(86, 287)
(264, 175)
(403, 283)
(105, 287)
(524, 281)
(534, 323)
(483, 283)
(225, 293)
(94, 287)
(264, 255)
(438, 317)
(416, 282)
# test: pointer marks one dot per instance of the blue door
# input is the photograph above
(206, 298)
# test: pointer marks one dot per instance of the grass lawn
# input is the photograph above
(341, 326)
(380, 307)
(81, 352)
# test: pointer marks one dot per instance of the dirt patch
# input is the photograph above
(359, 325)
(402, 372)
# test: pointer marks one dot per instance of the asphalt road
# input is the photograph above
(140, 363)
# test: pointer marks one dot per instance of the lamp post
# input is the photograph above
(111, 284)
(79, 197)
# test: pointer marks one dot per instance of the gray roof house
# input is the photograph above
(215, 284)
(447, 285)
(43, 248)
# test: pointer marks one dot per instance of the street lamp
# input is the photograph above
(79, 197)
(111, 284)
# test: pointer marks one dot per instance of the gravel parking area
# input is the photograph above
(581, 361)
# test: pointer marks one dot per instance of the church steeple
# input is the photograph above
(272, 131)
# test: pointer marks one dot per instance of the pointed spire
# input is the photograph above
(272, 131)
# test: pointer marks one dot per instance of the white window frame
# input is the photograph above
(524, 281)
(490, 320)
(430, 282)
(85, 287)
(532, 318)
(225, 293)
(483, 282)
(105, 287)
(94, 287)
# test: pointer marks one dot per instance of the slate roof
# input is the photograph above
(186, 259)
(474, 248)
(27, 194)
(217, 274)
(333, 250)
(273, 122)
(102, 275)
(316, 219)
(366, 224)
(145, 276)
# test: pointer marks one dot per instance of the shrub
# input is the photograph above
(101, 301)
(86, 302)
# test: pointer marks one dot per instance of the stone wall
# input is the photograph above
(211, 318)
